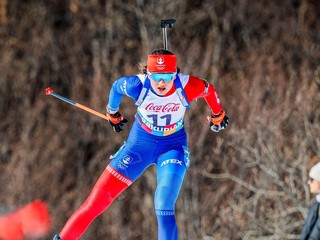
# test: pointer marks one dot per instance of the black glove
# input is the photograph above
(117, 121)
(218, 122)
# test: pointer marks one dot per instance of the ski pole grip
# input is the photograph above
(167, 22)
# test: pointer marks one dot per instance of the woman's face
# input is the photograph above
(314, 186)
(161, 85)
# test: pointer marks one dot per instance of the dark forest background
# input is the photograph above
(247, 182)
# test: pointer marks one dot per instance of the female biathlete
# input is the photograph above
(161, 94)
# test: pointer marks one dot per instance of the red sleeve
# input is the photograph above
(196, 88)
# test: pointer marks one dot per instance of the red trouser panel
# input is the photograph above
(108, 187)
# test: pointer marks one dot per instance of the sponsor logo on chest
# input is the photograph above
(169, 107)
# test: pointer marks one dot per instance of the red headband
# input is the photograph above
(162, 63)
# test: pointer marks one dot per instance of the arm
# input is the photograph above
(129, 86)
(197, 88)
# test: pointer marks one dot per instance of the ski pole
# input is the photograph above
(49, 91)
(164, 24)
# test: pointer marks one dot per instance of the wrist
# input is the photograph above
(111, 110)
(217, 119)
(218, 114)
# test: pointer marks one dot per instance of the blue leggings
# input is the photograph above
(171, 155)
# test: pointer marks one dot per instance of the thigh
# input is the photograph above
(132, 159)
(173, 162)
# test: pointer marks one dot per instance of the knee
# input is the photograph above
(97, 202)
(165, 199)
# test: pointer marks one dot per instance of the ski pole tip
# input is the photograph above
(49, 91)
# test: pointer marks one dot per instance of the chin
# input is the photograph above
(161, 93)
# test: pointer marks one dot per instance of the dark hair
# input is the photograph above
(160, 51)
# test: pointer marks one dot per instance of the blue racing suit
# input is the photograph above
(169, 153)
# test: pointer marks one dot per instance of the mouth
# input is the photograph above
(161, 89)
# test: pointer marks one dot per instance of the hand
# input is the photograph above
(218, 122)
(117, 121)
